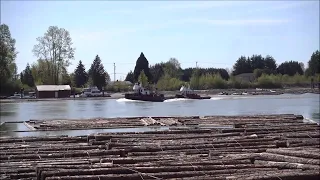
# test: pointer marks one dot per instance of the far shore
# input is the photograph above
(211, 92)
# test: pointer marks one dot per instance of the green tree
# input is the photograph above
(40, 73)
(64, 77)
(97, 73)
(257, 62)
(242, 65)
(195, 79)
(8, 68)
(290, 68)
(80, 75)
(172, 68)
(143, 79)
(258, 72)
(130, 77)
(168, 83)
(270, 63)
(186, 74)
(141, 64)
(55, 47)
(157, 71)
(26, 77)
(313, 64)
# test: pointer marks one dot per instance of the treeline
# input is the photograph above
(55, 52)
(264, 71)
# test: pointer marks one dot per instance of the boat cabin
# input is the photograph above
(138, 89)
(186, 90)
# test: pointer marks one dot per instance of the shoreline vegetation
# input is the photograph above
(169, 94)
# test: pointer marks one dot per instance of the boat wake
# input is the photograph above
(177, 99)
(127, 100)
(216, 98)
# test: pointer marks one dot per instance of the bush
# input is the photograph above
(218, 82)
(238, 84)
(269, 81)
(167, 83)
(208, 81)
(118, 87)
(10, 87)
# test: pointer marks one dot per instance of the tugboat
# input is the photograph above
(189, 94)
(142, 94)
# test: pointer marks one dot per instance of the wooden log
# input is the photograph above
(302, 153)
(282, 144)
(293, 129)
(284, 158)
(16, 170)
(135, 176)
(130, 160)
(64, 155)
(43, 138)
(175, 174)
(189, 162)
(23, 175)
(72, 172)
(305, 143)
(286, 165)
(285, 175)
(166, 175)
(304, 135)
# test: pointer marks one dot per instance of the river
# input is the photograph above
(304, 104)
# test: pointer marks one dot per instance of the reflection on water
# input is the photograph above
(13, 127)
(98, 105)
(305, 104)
(9, 109)
(315, 115)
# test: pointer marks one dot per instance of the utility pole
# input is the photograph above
(196, 64)
(114, 72)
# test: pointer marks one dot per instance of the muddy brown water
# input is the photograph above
(304, 104)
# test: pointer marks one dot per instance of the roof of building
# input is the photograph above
(53, 87)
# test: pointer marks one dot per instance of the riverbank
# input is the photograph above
(255, 147)
(169, 94)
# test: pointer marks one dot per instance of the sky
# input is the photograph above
(212, 33)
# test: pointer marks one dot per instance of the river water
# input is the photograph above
(304, 104)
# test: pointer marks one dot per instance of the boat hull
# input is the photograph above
(192, 96)
(151, 97)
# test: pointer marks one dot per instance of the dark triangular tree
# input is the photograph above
(130, 77)
(80, 75)
(141, 64)
(26, 77)
(97, 73)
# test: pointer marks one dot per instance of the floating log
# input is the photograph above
(286, 165)
(260, 147)
(284, 158)
(285, 175)
(303, 154)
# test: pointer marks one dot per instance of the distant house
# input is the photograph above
(53, 91)
(247, 77)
